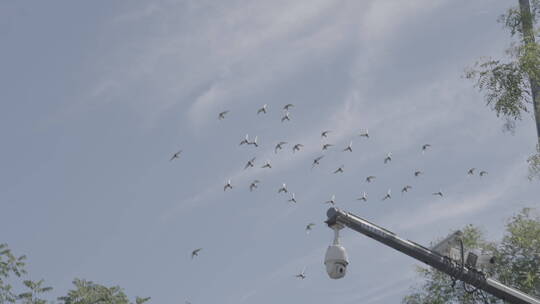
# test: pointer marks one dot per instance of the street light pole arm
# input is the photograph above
(460, 272)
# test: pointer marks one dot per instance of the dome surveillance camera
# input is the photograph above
(336, 260)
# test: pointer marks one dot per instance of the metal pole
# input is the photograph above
(429, 257)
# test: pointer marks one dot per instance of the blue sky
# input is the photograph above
(97, 96)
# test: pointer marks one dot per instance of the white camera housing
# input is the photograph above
(336, 259)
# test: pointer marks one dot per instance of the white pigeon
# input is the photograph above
(250, 163)
(332, 201)
(176, 155)
(288, 106)
(349, 147)
(439, 193)
(388, 195)
(365, 134)
(406, 189)
(279, 146)
(363, 197)
(254, 142)
(388, 157)
(297, 147)
(254, 185)
(326, 146)
(292, 199)
(302, 275)
(267, 165)
(245, 140)
(195, 253)
(285, 117)
(227, 185)
(263, 109)
(309, 227)
(222, 115)
(316, 161)
(339, 170)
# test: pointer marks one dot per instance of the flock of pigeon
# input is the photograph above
(316, 162)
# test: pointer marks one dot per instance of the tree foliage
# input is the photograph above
(506, 82)
(88, 292)
(534, 164)
(32, 296)
(12, 270)
(13, 267)
(506, 91)
(512, 84)
(518, 264)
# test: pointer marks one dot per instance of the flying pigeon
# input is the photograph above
(302, 275)
(245, 140)
(406, 188)
(288, 106)
(324, 134)
(418, 173)
(365, 134)
(267, 165)
(388, 157)
(388, 195)
(263, 109)
(222, 115)
(309, 227)
(292, 199)
(176, 155)
(227, 185)
(254, 142)
(297, 147)
(349, 147)
(471, 171)
(283, 189)
(250, 163)
(332, 200)
(425, 147)
(438, 193)
(363, 198)
(254, 185)
(285, 117)
(339, 170)
(195, 252)
(482, 173)
(370, 178)
(279, 146)
(326, 146)
(316, 161)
